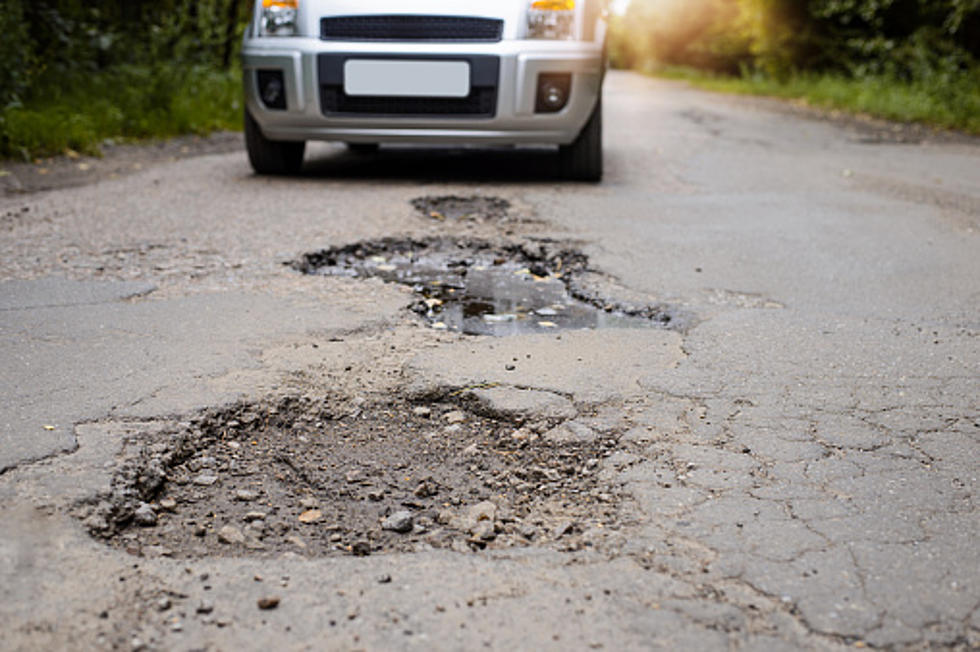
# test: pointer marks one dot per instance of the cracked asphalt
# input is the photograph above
(795, 468)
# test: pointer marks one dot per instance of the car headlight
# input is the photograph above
(551, 19)
(279, 17)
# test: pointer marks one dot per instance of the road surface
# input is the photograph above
(789, 464)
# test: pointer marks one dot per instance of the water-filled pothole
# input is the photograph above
(319, 478)
(475, 287)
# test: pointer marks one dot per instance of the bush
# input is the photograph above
(126, 101)
(73, 73)
(15, 59)
(912, 60)
(911, 40)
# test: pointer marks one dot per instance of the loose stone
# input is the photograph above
(455, 417)
(145, 516)
(482, 511)
(401, 521)
(310, 516)
(268, 602)
(425, 489)
(361, 549)
(230, 534)
(354, 476)
(246, 495)
(484, 531)
(205, 479)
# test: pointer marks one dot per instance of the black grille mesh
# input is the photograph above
(411, 28)
(481, 102)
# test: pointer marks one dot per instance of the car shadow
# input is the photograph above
(434, 164)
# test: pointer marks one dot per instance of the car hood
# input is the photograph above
(511, 11)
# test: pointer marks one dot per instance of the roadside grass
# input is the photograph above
(949, 103)
(124, 103)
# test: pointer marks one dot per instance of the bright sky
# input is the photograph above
(619, 6)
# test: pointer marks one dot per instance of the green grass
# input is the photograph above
(131, 102)
(940, 102)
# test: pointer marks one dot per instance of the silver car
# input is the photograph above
(366, 72)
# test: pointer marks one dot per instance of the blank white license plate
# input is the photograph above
(391, 78)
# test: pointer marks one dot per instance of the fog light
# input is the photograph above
(271, 89)
(553, 92)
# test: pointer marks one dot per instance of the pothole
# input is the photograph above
(478, 288)
(467, 209)
(321, 478)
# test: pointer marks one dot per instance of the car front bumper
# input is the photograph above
(513, 120)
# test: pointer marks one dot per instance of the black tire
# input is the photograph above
(362, 149)
(582, 160)
(271, 156)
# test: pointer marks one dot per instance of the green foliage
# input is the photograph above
(904, 59)
(950, 105)
(777, 33)
(905, 39)
(125, 101)
(909, 39)
(73, 72)
(15, 55)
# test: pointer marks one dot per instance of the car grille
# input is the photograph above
(480, 103)
(411, 28)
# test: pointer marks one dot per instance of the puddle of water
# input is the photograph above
(480, 292)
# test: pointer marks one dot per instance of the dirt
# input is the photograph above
(116, 159)
(478, 287)
(318, 477)
(474, 208)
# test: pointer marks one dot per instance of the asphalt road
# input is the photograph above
(795, 465)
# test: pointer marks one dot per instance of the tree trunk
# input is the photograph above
(231, 30)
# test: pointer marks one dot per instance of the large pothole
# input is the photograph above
(321, 477)
(480, 288)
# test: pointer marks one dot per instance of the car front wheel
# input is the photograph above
(582, 160)
(271, 156)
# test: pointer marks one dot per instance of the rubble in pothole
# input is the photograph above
(321, 477)
(481, 288)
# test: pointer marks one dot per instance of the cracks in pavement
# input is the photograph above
(69, 449)
(815, 478)
(744, 446)
(703, 554)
